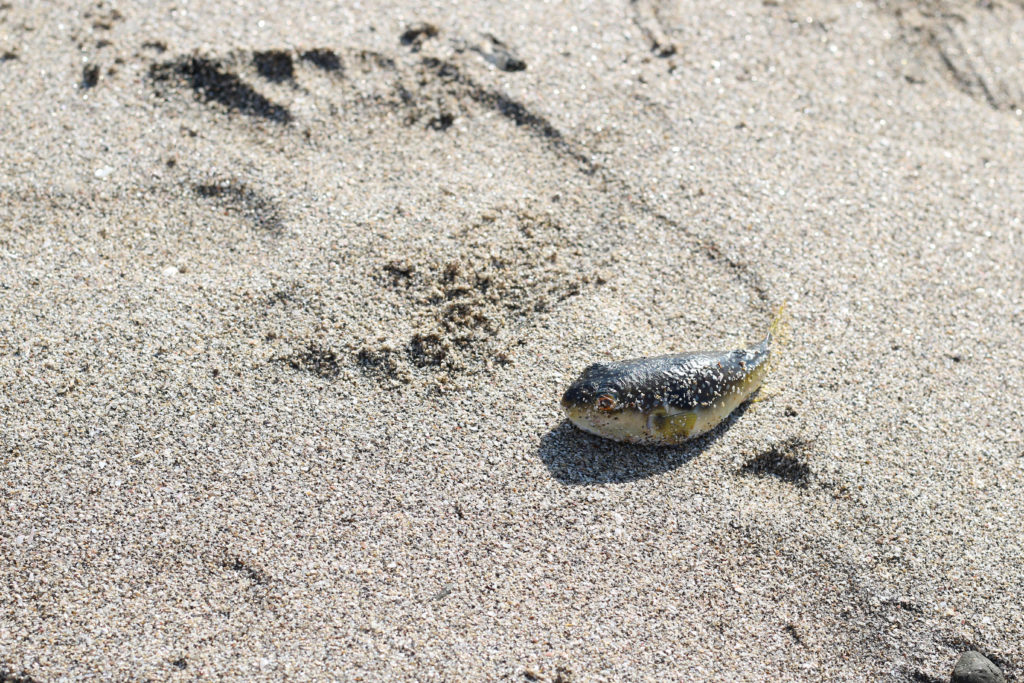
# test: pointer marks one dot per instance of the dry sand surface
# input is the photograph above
(289, 293)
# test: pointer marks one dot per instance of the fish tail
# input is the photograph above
(778, 337)
(779, 329)
(774, 341)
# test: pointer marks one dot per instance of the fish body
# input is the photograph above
(666, 399)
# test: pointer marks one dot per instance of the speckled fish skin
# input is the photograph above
(665, 399)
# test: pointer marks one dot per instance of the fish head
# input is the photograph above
(596, 403)
(595, 389)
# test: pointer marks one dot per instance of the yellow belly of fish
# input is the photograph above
(665, 426)
(628, 426)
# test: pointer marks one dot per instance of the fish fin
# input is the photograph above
(672, 427)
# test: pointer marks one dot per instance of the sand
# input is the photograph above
(289, 294)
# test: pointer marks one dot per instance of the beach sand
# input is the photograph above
(289, 294)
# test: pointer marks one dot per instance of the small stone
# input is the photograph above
(502, 56)
(974, 667)
(90, 76)
(416, 34)
(506, 60)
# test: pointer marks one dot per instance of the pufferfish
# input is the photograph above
(665, 400)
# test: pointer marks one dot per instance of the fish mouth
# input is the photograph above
(573, 411)
(587, 411)
(571, 398)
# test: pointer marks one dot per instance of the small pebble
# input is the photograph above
(974, 667)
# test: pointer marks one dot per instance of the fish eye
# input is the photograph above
(607, 400)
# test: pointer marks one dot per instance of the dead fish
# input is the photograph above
(666, 400)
